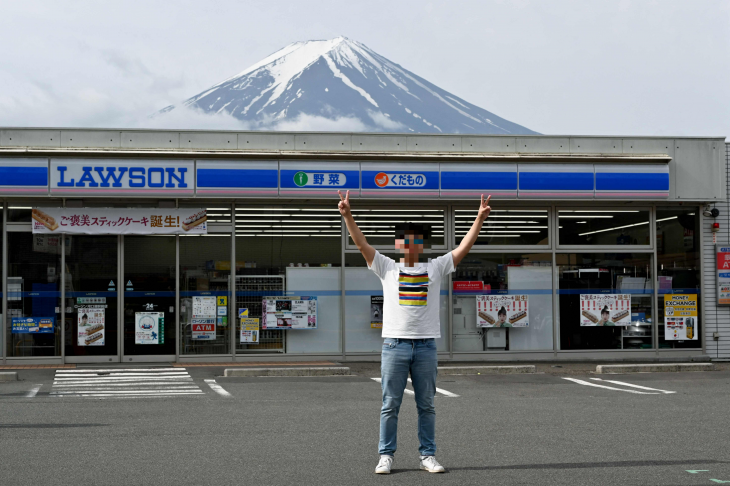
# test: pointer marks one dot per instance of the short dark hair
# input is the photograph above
(417, 229)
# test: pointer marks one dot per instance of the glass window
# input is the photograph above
(91, 295)
(34, 295)
(149, 294)
(363, 301)
(678, 269)
(289, 251)
(378, 225)
(606, 227)
(505, 227)
(484, 285)
(205, 270)
(605, 300)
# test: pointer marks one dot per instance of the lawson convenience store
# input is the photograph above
(227, 246)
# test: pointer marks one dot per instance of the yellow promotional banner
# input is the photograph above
(680, 317)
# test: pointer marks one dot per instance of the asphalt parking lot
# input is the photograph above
(545, 428)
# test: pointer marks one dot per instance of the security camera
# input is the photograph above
(711, 213)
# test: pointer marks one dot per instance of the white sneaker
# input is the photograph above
(386, 462)
(430, 464)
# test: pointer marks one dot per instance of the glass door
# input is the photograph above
(91, 307)
(150, 332)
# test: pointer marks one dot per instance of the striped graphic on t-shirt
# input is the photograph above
(413, 288)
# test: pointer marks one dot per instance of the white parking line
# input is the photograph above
(217, 388)
(581, 382)
(441, 391)
(33, 391)
(634, 386)
(407, 391)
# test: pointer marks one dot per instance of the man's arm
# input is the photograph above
(362, 244)
(459, 253)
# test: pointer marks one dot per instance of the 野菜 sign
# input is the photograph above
(605, 309)
(119, 221)
(320, 179)
(502, 311)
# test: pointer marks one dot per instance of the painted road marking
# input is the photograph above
(124, 383)
(581, 382)
(407, 391)
(634, 386)
(441, 391)
(33, 391)
(217, 388)
(695, 471)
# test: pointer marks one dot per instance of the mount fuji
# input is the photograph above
(341, 79)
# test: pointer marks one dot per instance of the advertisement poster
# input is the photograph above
(204, 328)
(502, 311)
(32, 325)
(204, 307)
(680, 317)
(290, 312)
(376, 311)
(605, 309)
(50, 244)
(723, 275)
(90, 328)
(120, 221)
(149, 327)
(250, 331)
(468, 286)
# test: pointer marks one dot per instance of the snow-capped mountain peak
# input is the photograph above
(340, 79)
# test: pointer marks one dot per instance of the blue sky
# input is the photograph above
(557, 67)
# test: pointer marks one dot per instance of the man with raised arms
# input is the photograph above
(411, 295)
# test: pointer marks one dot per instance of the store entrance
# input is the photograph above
(91, 307)
(149, 315)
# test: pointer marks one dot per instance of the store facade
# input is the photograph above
(222, 246)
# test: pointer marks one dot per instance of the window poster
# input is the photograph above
(91, 326)
(149, 327)
(250, 330)
(376, 311)
(722, 274)
(203, 328)
(680, 317)
(605, 309)
(298, 312)
(32, 325)
(204, 307)
(502, 311)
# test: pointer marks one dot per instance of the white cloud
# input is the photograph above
(383, 122)
(314, 123)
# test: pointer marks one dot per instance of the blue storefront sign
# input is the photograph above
(33, 325)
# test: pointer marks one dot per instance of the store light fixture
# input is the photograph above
(666, 219)
(597, 211)
(613, 229)
(586, 217)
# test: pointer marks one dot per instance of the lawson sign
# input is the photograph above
(118, 176)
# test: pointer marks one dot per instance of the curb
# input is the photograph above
(654, 368)
(477, 370)
(9, 376)
(319, 371)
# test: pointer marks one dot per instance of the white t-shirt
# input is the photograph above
(411, 296)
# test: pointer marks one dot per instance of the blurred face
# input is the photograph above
(604, 315)
(502, 318)
(410, 244)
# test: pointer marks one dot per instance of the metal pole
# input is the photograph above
(449, 230)
(62, 307)
(177, 299)
(343, 314)
(120, 299)
(233, 319)
(5, 279)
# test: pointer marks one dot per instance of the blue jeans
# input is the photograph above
(401, 356)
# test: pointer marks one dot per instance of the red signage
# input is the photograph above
(723, 260)
(469, 286)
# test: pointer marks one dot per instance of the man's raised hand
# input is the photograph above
(484, 208)
(344, 204)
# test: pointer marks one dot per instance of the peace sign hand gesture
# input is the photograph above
(484, 208)
(344, 204)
